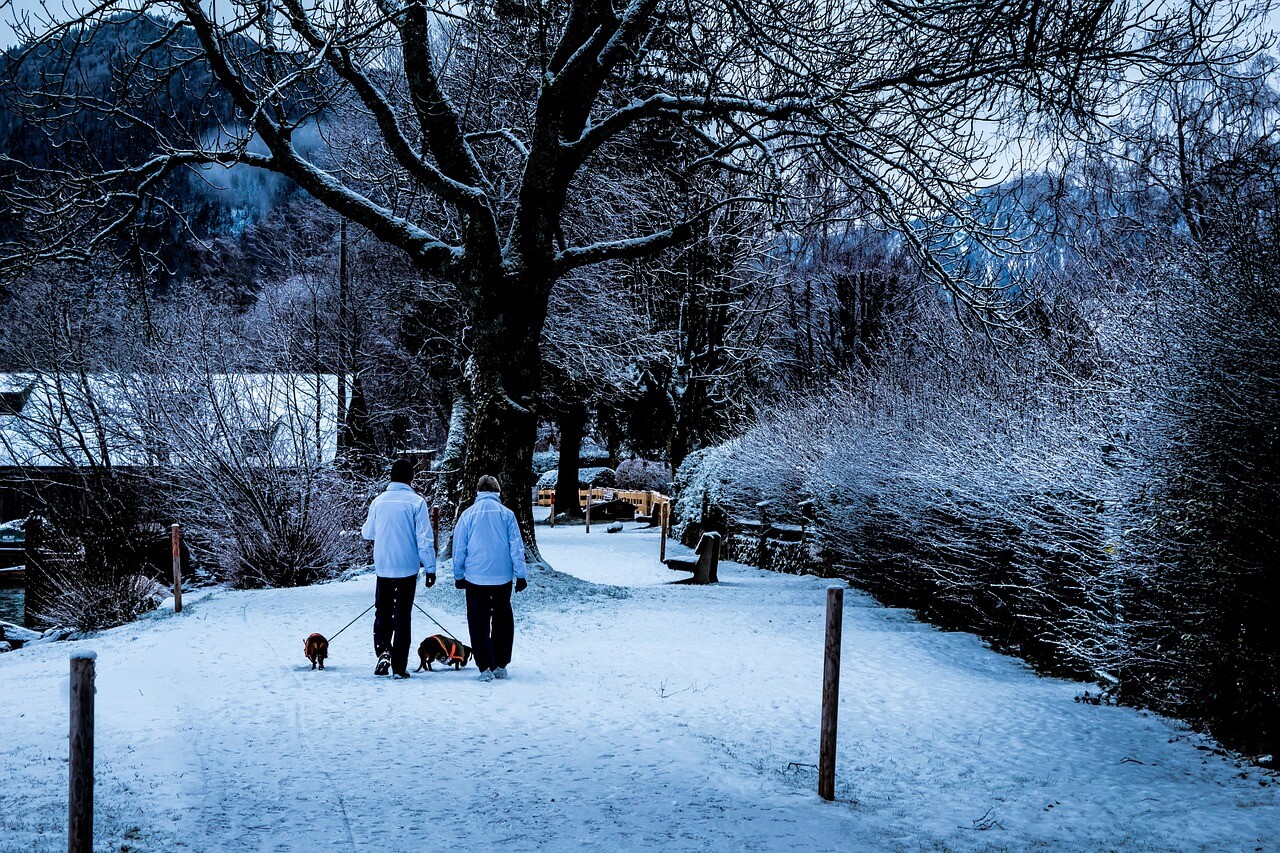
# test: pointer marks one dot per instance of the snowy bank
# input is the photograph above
(639, 716)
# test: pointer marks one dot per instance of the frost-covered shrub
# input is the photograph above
(592, 455)
(93, 601)
(544, 461)
(88, 538)
(979, 513)
(1119, 526)
(1203, 633)
(701, 503)
(643, 475)
(286, 531)
(588, 478)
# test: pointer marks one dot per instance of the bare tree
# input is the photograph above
(904, 102)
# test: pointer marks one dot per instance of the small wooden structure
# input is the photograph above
(644, 502)
(612, 510)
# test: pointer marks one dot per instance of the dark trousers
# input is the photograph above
(392, 604)
(493, 627)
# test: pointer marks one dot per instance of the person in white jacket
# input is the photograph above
(399, 524)
(488, 554)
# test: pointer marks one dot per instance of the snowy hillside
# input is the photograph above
(638, 716)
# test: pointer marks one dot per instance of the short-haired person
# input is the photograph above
(488, 554)
(399, 524)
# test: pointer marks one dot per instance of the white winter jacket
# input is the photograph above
(487, 548)
(400, 526)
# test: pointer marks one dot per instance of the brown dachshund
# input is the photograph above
(438, 647)
(316, 649)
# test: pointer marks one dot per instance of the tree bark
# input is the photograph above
(507, 314)
(447, 491)
(572, 423)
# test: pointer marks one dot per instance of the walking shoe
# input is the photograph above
(401, 674)
(500, 672)
(486, 676)
(384, 664)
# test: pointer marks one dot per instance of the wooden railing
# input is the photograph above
(644, 501)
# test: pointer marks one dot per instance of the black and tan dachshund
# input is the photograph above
(316, 649)
(447, 650)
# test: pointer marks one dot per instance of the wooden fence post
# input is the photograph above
(830, 694)
(175, 537)
(588, 510)
(435, 528)
(80, 793)
(553, 509)
(664, 520)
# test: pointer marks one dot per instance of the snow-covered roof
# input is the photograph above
(60, 420)
(586, 477)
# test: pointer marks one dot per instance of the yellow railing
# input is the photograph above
(644, 501)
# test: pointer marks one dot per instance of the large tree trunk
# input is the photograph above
(572, 423)
(447, 490)
(505, 374)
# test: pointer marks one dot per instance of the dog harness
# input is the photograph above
(452, 650)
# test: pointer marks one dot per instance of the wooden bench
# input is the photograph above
(706, 569)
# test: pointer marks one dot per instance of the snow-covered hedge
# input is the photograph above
(979, 512)
(1118, 523)
(596, 478)
(643, 475)
(544, 461)
(299, 540)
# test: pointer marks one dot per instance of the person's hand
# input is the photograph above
(521, 584)
(460, 583)
(430, 580)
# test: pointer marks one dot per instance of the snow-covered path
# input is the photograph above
(639, 716)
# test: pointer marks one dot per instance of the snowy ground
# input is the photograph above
(639, 716)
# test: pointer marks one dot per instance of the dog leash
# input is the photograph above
(352, 622)
(420, 610)
(438, 625)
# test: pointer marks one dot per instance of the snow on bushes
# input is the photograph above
(1118, 525)
(286, 528)
(978, 512)
(588, 478)
(643, 475)
(88, 602)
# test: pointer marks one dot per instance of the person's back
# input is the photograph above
(399, 524)
(487, 548)
(488, 554)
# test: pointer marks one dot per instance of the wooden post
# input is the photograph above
(175, 537)
(663, 520)
(80, 799)
(714, 574)
(830, 694)
(553, 509)
(435, 528)
(588, 510)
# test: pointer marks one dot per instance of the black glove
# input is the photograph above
(430, 580)
(521, 584)
(460, 583)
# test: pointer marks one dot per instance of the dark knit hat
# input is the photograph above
(402, 471)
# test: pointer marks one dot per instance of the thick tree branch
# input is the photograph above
(639, 247)
(338, 57)
(426, 250)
